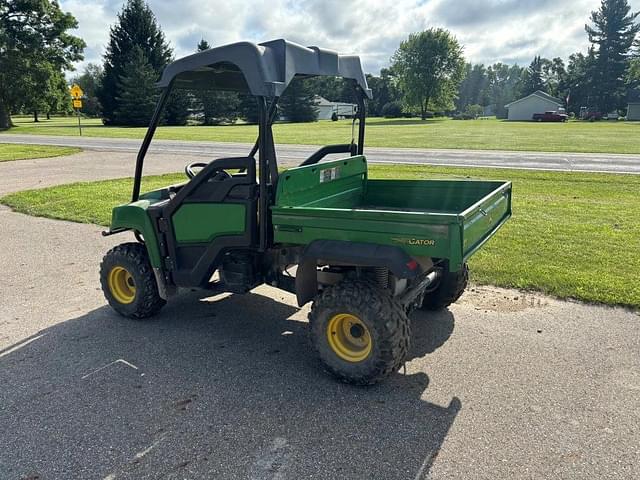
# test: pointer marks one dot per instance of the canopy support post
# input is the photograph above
(155, 119)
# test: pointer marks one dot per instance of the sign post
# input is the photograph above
(76, 95)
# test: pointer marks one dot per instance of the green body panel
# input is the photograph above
(330, 184)
(336, 201)
(134, 216)
(202, 222)
(431, 218)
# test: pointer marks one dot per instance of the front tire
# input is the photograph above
(128, 282)
(361, 334)
(449, 289)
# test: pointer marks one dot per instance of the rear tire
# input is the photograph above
(360, 333)
(128, 281)
(450, 288)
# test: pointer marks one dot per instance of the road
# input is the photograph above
(503, 385)
(290, 154)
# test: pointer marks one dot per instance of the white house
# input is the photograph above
(633, 108)
(537, 102)
(633, 111)
(326, 108)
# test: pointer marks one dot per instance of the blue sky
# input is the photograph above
(510, 31)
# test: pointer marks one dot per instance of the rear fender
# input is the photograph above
(349, 253)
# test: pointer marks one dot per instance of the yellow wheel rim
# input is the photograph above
(349, 337)
(121, 285)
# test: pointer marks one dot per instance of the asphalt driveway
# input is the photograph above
(503, 385)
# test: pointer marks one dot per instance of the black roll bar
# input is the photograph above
(362, 113)
(329, 150)
(263, 206)
(155, 119)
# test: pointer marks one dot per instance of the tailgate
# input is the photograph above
(481, 220)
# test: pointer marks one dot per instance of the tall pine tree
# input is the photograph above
(533, 79)
(217, 107)
(138, 94)
(136, 27)
(612, 34)
(297, 103)
(248, 108)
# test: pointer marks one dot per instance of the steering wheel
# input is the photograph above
(189, 171)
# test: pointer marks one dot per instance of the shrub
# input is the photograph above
(392, 110)
(474, 111)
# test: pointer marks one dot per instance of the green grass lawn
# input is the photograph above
(491, 134)
(572, 234)
(13, 151)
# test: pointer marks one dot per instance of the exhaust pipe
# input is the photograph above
(410, 295)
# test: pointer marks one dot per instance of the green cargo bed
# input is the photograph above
(432, 218)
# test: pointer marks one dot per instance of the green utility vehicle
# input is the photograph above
(365, 252)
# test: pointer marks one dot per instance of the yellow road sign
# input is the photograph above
(76, 91)
(77, 104)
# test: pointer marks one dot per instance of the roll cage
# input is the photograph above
(263, 71)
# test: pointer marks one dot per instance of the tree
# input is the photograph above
(248, 108)
(473, 89)
(34, 45)
(612, 34)
(392, 110)
(532, 79)
(429, 66)
(136, 27)
(503, 86)
(474, 111)
(177, 109)
(632, 77)
(138, 92)
(384, 91)
(577, 85)
(217, 107)
(555, 77)
(298, 103)
(90, 81)
(327, 87)
(46, 91)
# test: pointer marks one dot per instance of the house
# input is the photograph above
(326, 108)
(633, 105)
(537, 102)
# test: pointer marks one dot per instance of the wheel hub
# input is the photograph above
(356, 331)
(121, 285)
(349, 337)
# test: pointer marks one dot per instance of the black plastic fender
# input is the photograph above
(349, 253)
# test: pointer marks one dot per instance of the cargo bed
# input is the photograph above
(444, 219)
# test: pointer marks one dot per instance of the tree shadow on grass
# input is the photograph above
(212, 388)
(406, 121)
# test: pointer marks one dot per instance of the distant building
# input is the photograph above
(326, 109)
(633, 106)
(538, 102)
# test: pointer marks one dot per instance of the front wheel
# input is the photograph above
(448, 290)
(128, 282)
(360, 333)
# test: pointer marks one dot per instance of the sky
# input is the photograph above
(509, 31)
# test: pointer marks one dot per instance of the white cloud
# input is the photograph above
(490, 30)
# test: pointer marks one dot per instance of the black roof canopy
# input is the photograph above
(263, 69)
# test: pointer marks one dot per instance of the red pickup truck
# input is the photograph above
(550, 117)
